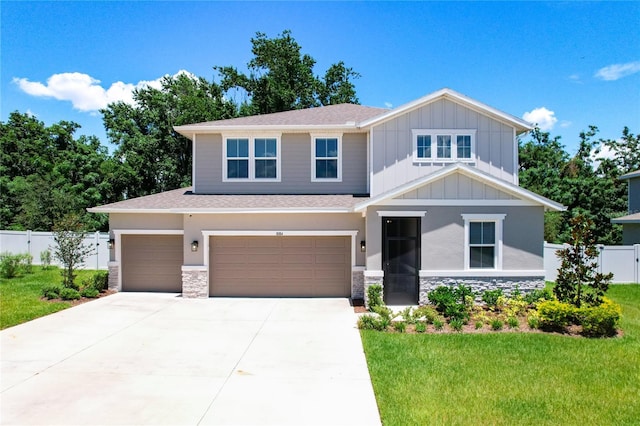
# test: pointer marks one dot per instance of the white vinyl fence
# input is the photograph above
(623, 261)
(17, 242)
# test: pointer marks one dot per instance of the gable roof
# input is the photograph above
(344, 117)
(630, 175)
(632, 218)
(520, 125)
(472, 173)
(184, 201)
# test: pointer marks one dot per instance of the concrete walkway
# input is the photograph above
(142, 358)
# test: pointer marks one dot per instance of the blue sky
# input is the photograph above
(567, 64)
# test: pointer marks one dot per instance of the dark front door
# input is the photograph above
(401, 259)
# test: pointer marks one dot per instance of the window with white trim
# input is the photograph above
(443, 145)
(326, 161)
(251, 159)
(483, 241)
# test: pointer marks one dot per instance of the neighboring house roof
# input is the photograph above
(630, 175)
(632, 218)
(183, 200)
(473, 173)
(344, 117)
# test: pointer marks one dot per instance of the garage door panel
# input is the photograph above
(152, 263)
(280, 266)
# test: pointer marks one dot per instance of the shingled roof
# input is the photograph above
(183, 201)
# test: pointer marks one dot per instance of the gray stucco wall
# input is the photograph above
(443, 236)
(295, 168)
(392, 146)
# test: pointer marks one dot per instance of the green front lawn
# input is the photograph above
(21, 297)
(509, 378)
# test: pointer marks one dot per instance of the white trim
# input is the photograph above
(402, 213)
(278, 233)
(193, 163)
(315, 136)
(358, 268)
(199, 268)
(456, 202)
(118, 233)
(373, 274)
(498, 219)
(209, 210)
(482, 273)
(516, 164)
(433, 134)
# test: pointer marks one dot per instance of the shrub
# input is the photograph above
(438, 323)
(512, 306)
(69, 294)
(536, 296)
(374, 296)
(512, 322)
(51, 291)
(45, 259)
(421, 327)
(490, 297)
(89, 292)
(98, 281)
(25, 263)
(400, 326)
(427, 313)
(479, 325)
(9, 265)
(456, 324)
(408, 315)
(533, 320)
(556, 315)
(600, 321)
(454, 303)
(496, 324)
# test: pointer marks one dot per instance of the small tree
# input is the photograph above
(70, 249)
(578, 282)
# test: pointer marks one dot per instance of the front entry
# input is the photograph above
(401, 259)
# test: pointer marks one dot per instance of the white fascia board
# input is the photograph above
(622, 221)
(218, 211)
(188, 130)
(457, 202)
(520, 125)
(630, 175)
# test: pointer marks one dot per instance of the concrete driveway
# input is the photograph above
(143, 358)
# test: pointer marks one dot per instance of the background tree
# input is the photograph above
(152, 157)
(46, 173)
(281, 78)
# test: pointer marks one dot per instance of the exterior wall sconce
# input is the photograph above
(363, 246)
(111, 244)
(194, 245)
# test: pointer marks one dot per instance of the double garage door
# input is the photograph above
(301, 266)
(280, 266)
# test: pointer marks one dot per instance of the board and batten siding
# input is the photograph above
(295, 168)
(456, 187)
(392, 144)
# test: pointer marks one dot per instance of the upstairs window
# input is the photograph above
(237, 158)
(251, 159)
(443, 145)
(326, 161)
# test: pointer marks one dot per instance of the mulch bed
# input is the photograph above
(82, 299)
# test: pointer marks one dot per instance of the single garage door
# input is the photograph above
(152, 263)
(280, 266)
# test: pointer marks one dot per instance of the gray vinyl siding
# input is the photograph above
(443, 236)
(295, 168)
(392, 145)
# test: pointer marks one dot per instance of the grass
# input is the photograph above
(21, 297)
(509, 378)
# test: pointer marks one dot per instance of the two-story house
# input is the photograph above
(631, 222)
(325, 201)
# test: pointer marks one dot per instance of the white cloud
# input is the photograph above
(618, 71)
(85, 92)
(388, 105)
(575, 78)
(541, 117)
(565, 123)
(601, 152)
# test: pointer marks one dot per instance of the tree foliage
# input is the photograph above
(578, 281)
(152, 157)
(46, 173)
(281, 78)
